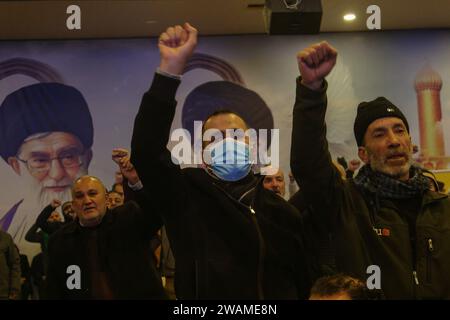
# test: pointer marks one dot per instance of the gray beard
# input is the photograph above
(35, 190)
(395, 175)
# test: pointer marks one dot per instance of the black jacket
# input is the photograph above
(367, 230)
(124, 254)
(223, 249)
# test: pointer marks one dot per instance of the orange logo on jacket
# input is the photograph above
(382, 232)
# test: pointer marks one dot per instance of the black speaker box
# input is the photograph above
(283, 18)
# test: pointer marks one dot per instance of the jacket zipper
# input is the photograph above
(260, 272)
(416, 278)
(430, 249)
(414, 273)
(261, 244)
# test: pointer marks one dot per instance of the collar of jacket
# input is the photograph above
(75, 227)
(428, 198)
(431, 196)
(204, 181)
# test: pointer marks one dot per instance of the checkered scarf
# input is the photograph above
(387, 187)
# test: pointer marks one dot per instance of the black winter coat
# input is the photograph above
(124, 255)
(223, 248)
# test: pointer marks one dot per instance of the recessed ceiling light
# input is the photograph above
(349, 17)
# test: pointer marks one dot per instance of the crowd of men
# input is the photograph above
(221, 231)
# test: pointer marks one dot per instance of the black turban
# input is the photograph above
(43, 107)
(223, 95)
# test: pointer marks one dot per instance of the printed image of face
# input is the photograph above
(89, 200)
(387, 148)
(276, 183)
(49, 163)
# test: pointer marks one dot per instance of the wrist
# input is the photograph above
(172, 67)
(315, 85)
(135, 185)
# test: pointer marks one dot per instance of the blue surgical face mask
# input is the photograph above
(229, 159)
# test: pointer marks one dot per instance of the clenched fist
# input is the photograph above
(122, 158)
(315, 63)
(354, 164)
(55, 203)
(176, 46)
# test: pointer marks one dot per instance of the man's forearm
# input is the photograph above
(41, 220)
(152, 125)
(308, 130)
(33, 235)
(155, 116)
(311, 162)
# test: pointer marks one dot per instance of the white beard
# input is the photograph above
(36, 198)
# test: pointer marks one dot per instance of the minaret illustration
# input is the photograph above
(428, 85)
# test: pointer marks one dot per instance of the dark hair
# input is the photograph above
(113, 188)
(340, 283)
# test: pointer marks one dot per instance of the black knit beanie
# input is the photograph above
(370, 111)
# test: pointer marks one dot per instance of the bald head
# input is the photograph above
(89, 200)
(222, 121)
(85, 179)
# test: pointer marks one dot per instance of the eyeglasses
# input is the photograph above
(42, 163)
(292, 4)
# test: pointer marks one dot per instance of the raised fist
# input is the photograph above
(120, 155)
(176, 46)
(315, 63)
(55, 203)
(354, 164)
(122, 158)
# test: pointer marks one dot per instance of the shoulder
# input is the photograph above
(276, 206)
(127, 208)
(62, 232)
(5, 237)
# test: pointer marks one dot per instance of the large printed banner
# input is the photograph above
(66, 104)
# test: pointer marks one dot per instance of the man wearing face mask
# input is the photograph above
(232, 238)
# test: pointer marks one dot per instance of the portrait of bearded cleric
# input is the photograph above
(46, 135)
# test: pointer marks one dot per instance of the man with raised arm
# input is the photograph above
(232, 238)
(104, 254)
(388, 226)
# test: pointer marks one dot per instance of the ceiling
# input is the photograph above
(40, 19)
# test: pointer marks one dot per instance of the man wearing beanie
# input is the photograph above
(46, 136)
(388, 227)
